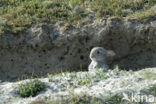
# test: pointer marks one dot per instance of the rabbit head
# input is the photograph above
(100, 54)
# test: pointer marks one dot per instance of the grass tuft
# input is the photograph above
(31, 88)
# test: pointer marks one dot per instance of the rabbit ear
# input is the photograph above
(110, 53)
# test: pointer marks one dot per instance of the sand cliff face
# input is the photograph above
(49, 48)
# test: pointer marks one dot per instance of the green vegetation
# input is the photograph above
(72, 99)
(67, 80)
(73, 80)
(151, 90)
(17, 15)
(31, 88)
(148, 75)
(114, 99)
(84, 99)
(143, 14)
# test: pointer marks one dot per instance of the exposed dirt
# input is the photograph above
(49, 48)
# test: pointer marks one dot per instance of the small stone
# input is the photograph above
(77, 10)
(126, 12)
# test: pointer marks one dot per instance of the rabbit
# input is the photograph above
(98, 56)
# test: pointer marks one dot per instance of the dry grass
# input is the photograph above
(144, 14)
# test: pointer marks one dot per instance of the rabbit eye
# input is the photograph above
(98, 52)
